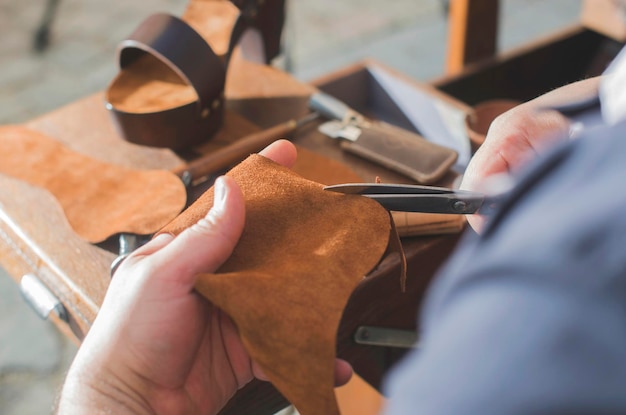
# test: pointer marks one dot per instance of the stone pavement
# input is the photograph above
(322, 35)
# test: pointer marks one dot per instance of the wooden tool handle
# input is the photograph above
(236, 152)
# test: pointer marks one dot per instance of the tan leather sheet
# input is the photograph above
(99, 199)
(302, 252)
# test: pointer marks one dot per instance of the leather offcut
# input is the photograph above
(302, 253)
(99, 199)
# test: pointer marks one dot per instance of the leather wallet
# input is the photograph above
(401, 151)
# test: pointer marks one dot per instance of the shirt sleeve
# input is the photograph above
(531, 317)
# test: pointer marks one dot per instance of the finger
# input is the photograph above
(204, 246)
(477, 222)
(153, 245)
(282, 152)
(258, 372)
(343, 372)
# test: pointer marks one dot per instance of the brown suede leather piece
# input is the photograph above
(302, 253)
(99, 199)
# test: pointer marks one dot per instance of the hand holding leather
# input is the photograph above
(156, 345)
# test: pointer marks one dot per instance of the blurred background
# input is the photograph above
(321, 35)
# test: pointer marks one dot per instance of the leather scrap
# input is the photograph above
(302, 253)
(395, 248)
(99, 199)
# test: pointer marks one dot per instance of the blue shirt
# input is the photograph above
(530, 317)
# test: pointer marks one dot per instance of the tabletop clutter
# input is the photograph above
(170, 93)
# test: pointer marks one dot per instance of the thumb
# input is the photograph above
(207, 244)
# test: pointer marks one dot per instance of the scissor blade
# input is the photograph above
(415, 198)
(385, 188)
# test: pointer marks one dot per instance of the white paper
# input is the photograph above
(435, 119)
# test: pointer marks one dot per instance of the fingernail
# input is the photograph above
(219, 193)
(162, 238)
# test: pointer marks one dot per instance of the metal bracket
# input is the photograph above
(339, 129)
(41, 299)
(128, 242)
(385, 337)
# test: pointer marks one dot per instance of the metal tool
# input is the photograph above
(426, 199)
(41, 299)
(345, 123)
(46, 303)
(232, 154)
(128, 242)
(385, 337)
(332, 108)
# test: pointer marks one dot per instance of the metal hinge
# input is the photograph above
(385, 337)
(41, 299)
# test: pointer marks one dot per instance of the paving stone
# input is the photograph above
(547, 17)
(400, 48)
(320, 31)
(35, 344)
(37, 399)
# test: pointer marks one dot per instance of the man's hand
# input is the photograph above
(518, 135)
(157, 346)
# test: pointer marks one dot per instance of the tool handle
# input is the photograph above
(234, 153)
(330, 107)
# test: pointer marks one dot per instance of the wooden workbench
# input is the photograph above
(35, 237)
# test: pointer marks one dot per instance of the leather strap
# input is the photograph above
(180, 47)
(267, 16)
(173, 42)
(176, 44)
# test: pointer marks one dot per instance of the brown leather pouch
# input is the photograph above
(402, 151)
(302, 253)
(392, 147)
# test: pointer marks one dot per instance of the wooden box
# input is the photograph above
(526, 72)
(605, 16)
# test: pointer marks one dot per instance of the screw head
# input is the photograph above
(459, 206)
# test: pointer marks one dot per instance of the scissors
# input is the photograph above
(417, 198)
(431, 199)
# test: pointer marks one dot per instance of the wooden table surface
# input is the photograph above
(36, 238)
